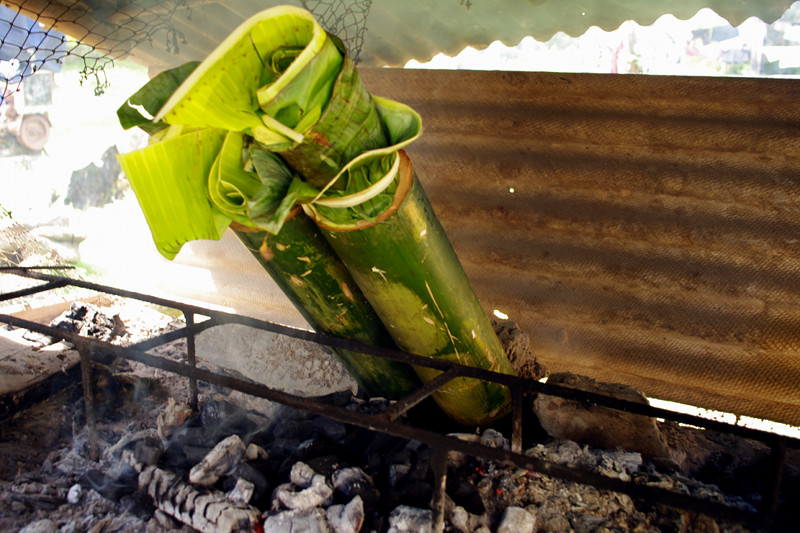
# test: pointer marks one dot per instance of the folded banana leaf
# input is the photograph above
(192, 183)
(280, 80)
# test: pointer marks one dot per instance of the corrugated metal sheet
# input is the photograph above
(653, 233)
(396, 32)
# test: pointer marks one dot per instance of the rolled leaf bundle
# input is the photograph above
(193, 186)
(282, 82)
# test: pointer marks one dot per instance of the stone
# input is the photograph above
(40, 526)
(74, 494)
(459, 519)
(600, 427)
(492, 438)
(517, 520)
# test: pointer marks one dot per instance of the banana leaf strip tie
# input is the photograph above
(303, 131)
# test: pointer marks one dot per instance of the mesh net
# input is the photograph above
(18, 247)
(40, 34)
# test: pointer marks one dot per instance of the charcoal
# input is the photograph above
(309, 448)
(314, 496)
(416, 494)
(249, 473)
(494, 439)
(189, 435)
(332, 430)
(225, 418)
(174, 415)
(307, 521)
(191, 455)
(220, 461)
(242, 491)
(138, 504)
(405, 519)
(255, 452)
(147, 453)
(460, 520)
(346, 518)
(338, 398)
(352, 482)
(325, 465)
(207, 511)
(296, 429)
(464, 493)
(301, 475)
(282, 446)
(108, 486)
(398, 473)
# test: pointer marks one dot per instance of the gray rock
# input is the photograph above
(459, 519)
(74, 494)
(517, 520)
(40, 526)
(600, 427)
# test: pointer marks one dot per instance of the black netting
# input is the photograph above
(18, 247)
(345, 19)
(40, 34)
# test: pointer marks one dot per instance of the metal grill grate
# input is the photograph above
(388, 422)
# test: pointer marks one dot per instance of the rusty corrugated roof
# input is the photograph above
(385, 32)
(653, 233)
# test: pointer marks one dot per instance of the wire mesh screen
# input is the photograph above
(18, 247)
(40, 34)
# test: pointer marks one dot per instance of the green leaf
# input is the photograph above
(226, 90)
(170, 179)
(151, 98)
(280, 191)
(403, 125)
(229, 185)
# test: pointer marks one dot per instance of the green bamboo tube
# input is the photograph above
(304, 266)
(409, 272)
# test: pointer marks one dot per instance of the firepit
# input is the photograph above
(212, 452)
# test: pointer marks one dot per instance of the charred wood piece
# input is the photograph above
(205, 510)
(220, 461)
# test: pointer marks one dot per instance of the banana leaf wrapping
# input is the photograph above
(191, 184)
(282, 82)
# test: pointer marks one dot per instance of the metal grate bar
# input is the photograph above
(404, 404)
(33, 290)
(386, 422)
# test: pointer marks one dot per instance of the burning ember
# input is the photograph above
(242, 464)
